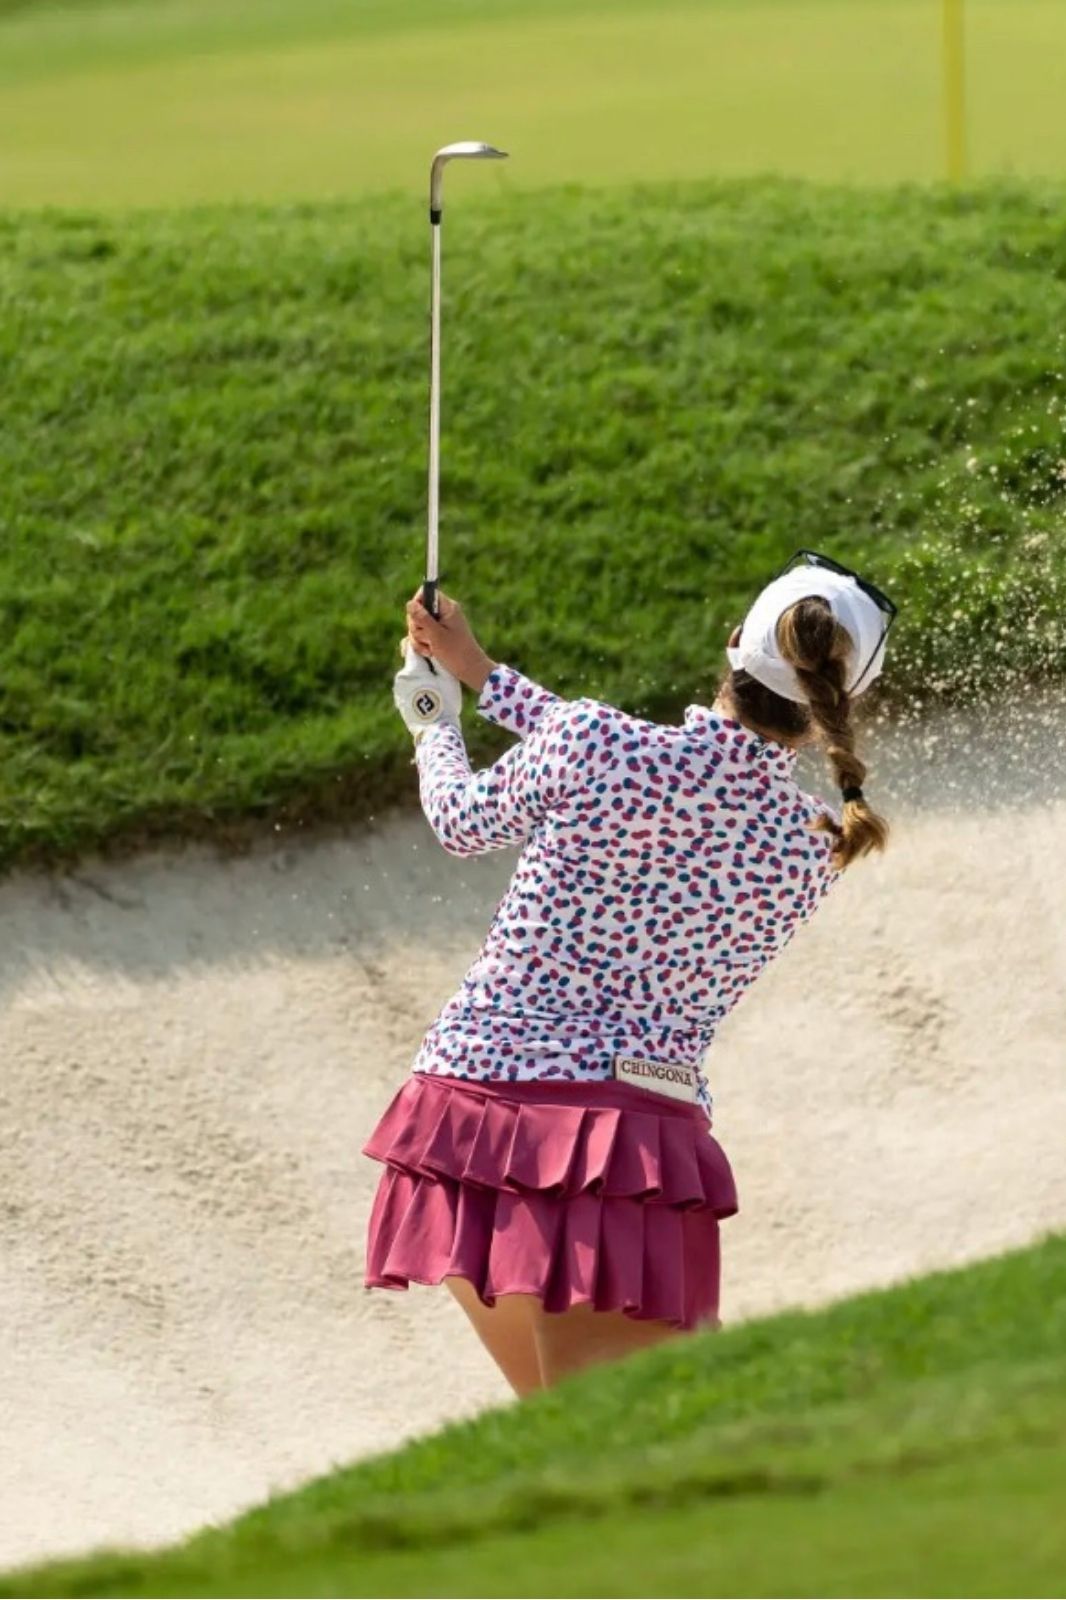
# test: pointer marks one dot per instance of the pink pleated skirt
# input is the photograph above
(595, 1194)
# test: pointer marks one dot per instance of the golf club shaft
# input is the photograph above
(466, 149)
(429, 588)
(432, 545)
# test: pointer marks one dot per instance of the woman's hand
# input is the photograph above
(448, 640)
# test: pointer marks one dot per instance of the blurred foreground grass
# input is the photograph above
(909, 1441)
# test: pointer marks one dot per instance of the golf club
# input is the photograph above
(467, 150)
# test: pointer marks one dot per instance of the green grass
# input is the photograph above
(172, 101)
(909, 1441)
(212, 456)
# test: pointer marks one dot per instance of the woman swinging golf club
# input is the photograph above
(550, 1157)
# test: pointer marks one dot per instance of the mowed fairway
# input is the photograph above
(160, 101)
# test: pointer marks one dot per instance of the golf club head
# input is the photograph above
(466, 149)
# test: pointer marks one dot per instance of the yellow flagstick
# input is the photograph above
(955, 88)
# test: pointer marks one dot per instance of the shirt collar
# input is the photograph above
(780, 758)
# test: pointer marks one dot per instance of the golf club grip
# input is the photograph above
(430, 601)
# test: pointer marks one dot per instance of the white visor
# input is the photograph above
(758, 653)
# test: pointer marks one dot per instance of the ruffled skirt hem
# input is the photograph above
(599, 1194)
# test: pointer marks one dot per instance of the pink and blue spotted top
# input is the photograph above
(662, 869)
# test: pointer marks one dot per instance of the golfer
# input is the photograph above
(550, 1157)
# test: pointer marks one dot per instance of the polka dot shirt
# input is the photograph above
(662, 868)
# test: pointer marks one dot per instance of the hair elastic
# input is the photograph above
(853, 794)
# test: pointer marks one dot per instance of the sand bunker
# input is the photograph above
(193, 1051)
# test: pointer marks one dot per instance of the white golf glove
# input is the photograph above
(423, 697)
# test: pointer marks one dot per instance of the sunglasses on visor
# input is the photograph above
(811, 558)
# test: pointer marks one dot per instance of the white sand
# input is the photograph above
(194, 1050)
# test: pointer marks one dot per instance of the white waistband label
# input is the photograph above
(662, 1077)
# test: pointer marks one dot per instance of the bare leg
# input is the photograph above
(566, 1341)
(506, 1331)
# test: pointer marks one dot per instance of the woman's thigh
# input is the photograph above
(535, 1349)
(567, 1341)
(506, 1331)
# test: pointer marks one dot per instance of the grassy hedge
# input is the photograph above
(909, 1441)
(212, 463)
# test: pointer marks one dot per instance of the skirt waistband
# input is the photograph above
(595, 1092)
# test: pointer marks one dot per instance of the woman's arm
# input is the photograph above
(514, 701)
(474, 812)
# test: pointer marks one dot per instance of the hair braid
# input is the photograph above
(819, 649)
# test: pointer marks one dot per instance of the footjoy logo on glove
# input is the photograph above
(427, 704)
(664, 1077)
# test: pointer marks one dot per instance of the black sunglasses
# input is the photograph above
(811, 558)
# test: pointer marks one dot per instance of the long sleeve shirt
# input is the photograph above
(662, 868)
